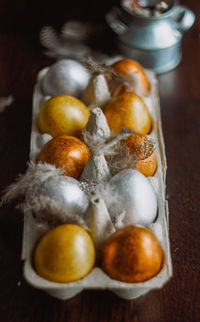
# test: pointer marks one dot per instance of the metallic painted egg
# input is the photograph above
(66, 76)
(130, 192)
(66, 192)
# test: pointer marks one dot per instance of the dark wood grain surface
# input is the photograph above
(21, 57)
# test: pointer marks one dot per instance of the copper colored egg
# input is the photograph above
(142, 148)
(132, 254)
(66, 152)
(134, 73)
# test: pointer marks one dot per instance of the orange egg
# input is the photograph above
(66, 152)
(128, 110)
(132, 254)
(133, 72)
(141, 147)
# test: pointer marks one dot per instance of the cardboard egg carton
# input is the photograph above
(97, 279)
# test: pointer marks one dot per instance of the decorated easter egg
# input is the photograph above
(66, 76)
(65, 191)
(132, 254)
(134, 73)
(130, 193)
(143, 151)
(63, 114)
(67, 152)
(128, 110)
(64, 254)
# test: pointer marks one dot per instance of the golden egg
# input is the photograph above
(67, 152)
(128, 110)
(64, 254)
(63, 114)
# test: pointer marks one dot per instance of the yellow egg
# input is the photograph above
(128, 110)
(64, 254)
(63, 114)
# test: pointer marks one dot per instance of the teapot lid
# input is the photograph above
(149, 9)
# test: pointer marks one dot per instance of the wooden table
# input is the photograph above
(21, 57)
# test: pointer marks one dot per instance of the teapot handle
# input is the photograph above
(184, 17)
(116, 22)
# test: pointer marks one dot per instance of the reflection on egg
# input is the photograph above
(66, 76)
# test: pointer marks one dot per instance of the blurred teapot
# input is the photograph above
(152, 38)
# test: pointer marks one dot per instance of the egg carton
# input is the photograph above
(97, 279)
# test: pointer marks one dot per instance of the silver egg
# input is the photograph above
(66, 192)
(65, 77)
(131, 193)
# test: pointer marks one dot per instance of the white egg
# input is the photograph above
(65, 77)
(131, 199)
